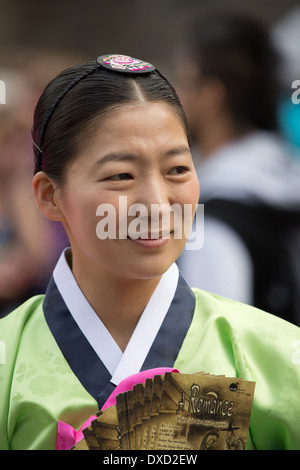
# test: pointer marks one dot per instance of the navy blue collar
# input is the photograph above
(82, 358)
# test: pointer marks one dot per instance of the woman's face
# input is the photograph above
(139, 155)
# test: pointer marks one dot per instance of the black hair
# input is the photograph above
(238, 51)
(64, 121)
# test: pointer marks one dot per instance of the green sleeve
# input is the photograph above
(38, 386)
(11, 328)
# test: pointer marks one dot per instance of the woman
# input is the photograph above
(103, 133)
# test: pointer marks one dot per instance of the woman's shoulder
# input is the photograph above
(14, 323)
(23, 310)
(241, 315)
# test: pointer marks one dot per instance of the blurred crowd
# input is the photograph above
(230, 76)
(29, 244)
(231, 80)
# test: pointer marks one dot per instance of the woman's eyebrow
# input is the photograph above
(116, 157)
(121, 157)
(177, 151)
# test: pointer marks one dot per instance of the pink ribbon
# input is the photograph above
(67, 436)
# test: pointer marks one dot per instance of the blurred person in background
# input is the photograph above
(249, 183)
(29, 244)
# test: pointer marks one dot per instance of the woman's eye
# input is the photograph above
(120, 177)
(179, 170)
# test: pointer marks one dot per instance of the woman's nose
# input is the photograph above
(156, 201)
(154, 192)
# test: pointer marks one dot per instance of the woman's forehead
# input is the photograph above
(134, 134)
(133, 116)
(151, 122)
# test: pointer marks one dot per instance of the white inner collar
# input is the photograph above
(119, 364)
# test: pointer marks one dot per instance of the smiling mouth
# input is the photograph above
(152, 240)
(153, 235)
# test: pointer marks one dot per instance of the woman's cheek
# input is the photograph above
(191, 202)
(190, 193)
(195, 190)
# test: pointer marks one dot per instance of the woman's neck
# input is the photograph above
(118, 302)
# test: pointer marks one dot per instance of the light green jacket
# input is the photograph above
(38, 387)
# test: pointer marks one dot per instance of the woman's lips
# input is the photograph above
(151, 240)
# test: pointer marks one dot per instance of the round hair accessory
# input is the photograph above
(124, 63)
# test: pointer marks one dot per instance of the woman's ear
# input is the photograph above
(46, 195)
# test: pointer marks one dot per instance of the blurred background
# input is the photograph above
(38, 39)
(150, 29)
